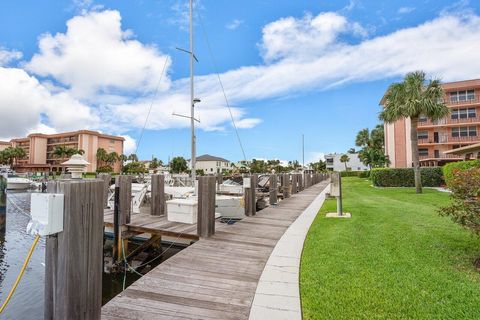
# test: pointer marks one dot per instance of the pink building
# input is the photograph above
(40, 147)
(435, 138)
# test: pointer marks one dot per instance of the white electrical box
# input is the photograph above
(47, 214)
(246, 183)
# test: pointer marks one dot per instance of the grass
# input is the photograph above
(396, 258)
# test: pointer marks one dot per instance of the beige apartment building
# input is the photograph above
(40, 147)
(436, 138)
(4, 145)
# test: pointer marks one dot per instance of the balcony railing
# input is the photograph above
(462, 102)
(441, 156)
(447, 139)
(448, 120)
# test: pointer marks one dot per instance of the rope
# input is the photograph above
(151, 105)
(16, 206)
(221, 85)
(20, 275)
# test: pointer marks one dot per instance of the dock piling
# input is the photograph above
(206, 206)
(158, 204)
(74, 257)
(273, 189)
(107, 178)
(250, 196)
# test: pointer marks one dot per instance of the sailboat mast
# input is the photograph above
(192, 103)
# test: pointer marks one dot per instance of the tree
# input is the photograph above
(134, 167)
(133, 157)
(319, 166)
(178, 165)
(411, 98)
(154, 164)
(344, 158)
(101, 155)
(12, 154)
(373, 157)
(351, 151)
(111, 158)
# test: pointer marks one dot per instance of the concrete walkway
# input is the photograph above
(278, 292)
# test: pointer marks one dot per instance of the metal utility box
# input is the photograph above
(47, 213)
(335, 185)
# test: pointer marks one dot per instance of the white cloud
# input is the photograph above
(307, 37)
(301, 54)
(129, 145)
(314, 157)
(95, 56)
(234, 24)
(405, 10)
(247, 123)
(6, 56)
(24, 101)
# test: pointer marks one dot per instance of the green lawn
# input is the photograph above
(396, 258)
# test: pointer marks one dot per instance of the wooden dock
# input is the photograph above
(156, 225)
(214, 278)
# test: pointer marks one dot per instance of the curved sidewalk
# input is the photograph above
(278, 292)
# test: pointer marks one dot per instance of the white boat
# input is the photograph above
(18, 183)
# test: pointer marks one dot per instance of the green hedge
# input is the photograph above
(403, 177)
(361, 174)
(449, 169)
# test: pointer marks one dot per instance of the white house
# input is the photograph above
(210, 164)
(353, 164)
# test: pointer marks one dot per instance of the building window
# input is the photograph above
(472, 113)
(472, 131)
(423, 152)
(464, 95)
(422, 118)
(464, 131)
(423, 135)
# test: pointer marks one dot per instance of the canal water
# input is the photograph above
(27, 302)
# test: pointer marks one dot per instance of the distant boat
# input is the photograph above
(15, 182)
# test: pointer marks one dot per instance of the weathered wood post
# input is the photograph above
(107, 178)
(74, 257)
(123, 184)
(301, 185)
(250, 185)
(3, 205)
(206, 206)
(158, 195)
(273, 189)
(286, 185)
(219, 180)
(294, 183)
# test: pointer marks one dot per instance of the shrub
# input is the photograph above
(451, 169)
(465, 207)
(361, 174)
(403, 177)
(105, 169)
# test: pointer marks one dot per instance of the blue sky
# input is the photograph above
(289, 68)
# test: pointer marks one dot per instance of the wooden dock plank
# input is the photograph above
(216, 277)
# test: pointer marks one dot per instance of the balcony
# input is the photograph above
(448, 121)
(449, 139)
(458, 103)
(440, 157)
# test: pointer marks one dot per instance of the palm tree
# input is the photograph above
(411, 98)
(133, 157)
(344, 158)
(60, 152)
(101, 155)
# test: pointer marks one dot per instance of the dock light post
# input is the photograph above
(336, 191)
(76, 166)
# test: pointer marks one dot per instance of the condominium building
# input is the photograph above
(333, 163)
(4, 145)
(435, 138)
(39, 149)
